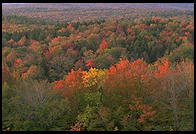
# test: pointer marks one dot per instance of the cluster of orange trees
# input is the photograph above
(137, 91)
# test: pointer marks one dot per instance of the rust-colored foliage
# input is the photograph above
(119, 29)
(125, 74)
(116, 77)
(131, 33)
(22, 41)
(53, 49)
(59, 85)
(139, 67)
(141, 26)
(76, 127)
(69, 26)
(161, 69)
(24, 69)
(11, 56)
(47, 55)
(11, 41)
(34, 45)
(17, 63)
(62, 30)
(55, 40)
(129, 30)
(147, 111)
(90, 63)
(102, 46)
(72, 82)
(156, 19)
(31, 72)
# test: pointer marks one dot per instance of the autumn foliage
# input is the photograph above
(147, 112)
(162, 68)
(71, 83)
(76, 127)
(90, 63)
(102, 46)
(59, 85)
(100, 69)
(126, 74)
(17, 62)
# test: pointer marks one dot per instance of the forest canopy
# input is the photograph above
(103, 67)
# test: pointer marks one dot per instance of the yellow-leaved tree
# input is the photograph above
(94, 78)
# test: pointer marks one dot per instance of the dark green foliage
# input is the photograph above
(104, 61)
(59, 66)
(184, 52)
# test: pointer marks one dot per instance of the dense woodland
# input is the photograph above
(116, 72)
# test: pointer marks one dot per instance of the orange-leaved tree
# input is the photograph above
(72, 82)
(145, 111)
(126, 76)
(90, 63)
(102, 46)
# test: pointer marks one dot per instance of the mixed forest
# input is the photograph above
(97, 68)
